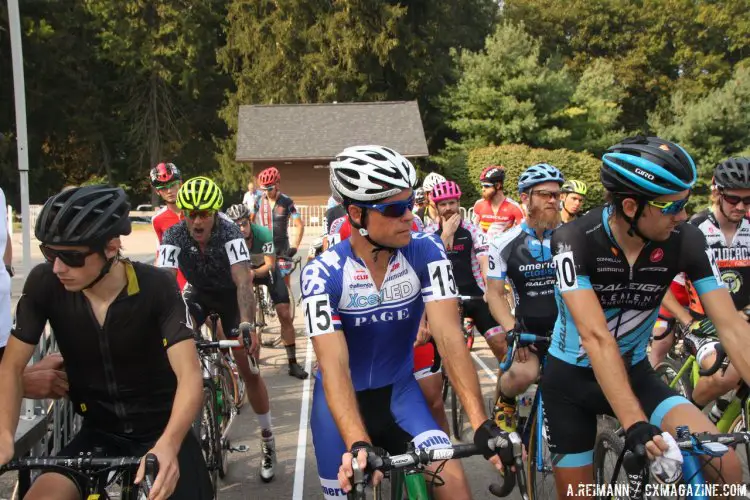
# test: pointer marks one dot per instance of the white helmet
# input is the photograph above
(370, 173)
(432, 179)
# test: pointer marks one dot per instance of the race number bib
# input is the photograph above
(168, 256)
(318, 317)
(237, 251)
(267, 248)
(442, 282)
(565, 267)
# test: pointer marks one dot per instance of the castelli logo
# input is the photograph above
(657, 255)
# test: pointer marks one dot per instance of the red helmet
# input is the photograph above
(493, 174)
(164, 173)
(447, 190)
(269, 176)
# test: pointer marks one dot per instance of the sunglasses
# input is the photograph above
(167, 186)
(733, 199)
(670, 207)
(203, 214)
(391, 209)
(269, 188)
(546, 195)
(71, 258)
(487, 184)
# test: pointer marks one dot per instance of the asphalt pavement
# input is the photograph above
(291, 399)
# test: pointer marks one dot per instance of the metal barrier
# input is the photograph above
(314, 216)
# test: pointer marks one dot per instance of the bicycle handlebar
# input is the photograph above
(469, 298)
(519, 339)
(204, 345)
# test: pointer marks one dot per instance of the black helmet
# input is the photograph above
(733, 173)
(86, 216)
(648, 167)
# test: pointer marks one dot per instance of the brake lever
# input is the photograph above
(151, 471)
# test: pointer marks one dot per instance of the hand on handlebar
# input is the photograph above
(346, 471)
(644, 439)
(250, 336)
(500, 458)
(168, 471)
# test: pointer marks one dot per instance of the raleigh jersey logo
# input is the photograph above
(657, 255)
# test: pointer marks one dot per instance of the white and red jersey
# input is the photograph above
(163, 220)
(508, 214)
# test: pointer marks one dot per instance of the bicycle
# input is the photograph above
(458, 415)
(635, 486)
(539, 461)
(264, 305)
(98, 474)
(406, 472)
(213, 424)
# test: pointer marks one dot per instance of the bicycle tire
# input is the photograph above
(238, 385)
(228, 413)
(668, 370)
(446, 386)
(456, 418)
(744, 455)
(607, 449)
(205, 429)
(541, 483)
(260, 318)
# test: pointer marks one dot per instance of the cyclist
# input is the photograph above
(124, 333)
(573, 196)
(466, 246)
(495, 212)
(333, 214)
(420, 203)
(727, 233)
(210, 250)
(430, 215)
(260, 242)
(166, 179)
(613, 267)
(363, 302)
(275, 209)
(522, 255)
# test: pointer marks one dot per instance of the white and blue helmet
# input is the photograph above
(538, 174)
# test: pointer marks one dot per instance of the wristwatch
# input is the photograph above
(10, 270)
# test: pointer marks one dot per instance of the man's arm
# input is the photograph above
(242, 275)
(604, 354)
(333, 361)
(300, 226)
(268, 262)
(499, 307)
(734, 332)
(16, 357)
(183, 358)
(445, 327)
(672, 305)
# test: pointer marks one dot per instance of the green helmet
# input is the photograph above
(574, 186)
(199, 193)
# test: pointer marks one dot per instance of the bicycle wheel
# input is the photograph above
(457, 415)
(743, 452)
(260, 318)
(668, 370)
(541, 482)
(238, 384)
(228, 412)
(607, 449)
(206, 430)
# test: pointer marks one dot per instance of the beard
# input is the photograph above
(487, 195)
(543, 218)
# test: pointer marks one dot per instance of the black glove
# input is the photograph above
(638, 435)
(291, 252)
(487, 431)
(10, 270)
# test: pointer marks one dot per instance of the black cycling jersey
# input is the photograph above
(209, 270)
(519, 256)
(276, 219)
(586, 256)
(120, 378)
(469, 242)
(733, 260)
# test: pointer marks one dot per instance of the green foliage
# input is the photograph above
(516, 158)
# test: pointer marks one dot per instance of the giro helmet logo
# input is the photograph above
(645, 174)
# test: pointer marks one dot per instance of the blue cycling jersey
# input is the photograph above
(380, 326)
(586, 256)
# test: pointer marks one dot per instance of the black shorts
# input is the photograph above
(572, 399)
(479, 311)
(276, 286)
(194, 482)
(201, 303)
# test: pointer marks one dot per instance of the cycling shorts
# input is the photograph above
(194, 482)
(393, 415)
(573, 399)
(224, 303)
(479, 311)
(424, 359)
(276, 286)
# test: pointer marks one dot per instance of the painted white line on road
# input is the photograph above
(486, 368)
(299, 468)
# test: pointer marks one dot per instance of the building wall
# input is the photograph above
(304, 181)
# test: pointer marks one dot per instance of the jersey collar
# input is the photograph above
(525, 227)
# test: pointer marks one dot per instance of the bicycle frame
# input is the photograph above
(689, 364)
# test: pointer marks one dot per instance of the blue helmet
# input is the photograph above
(537, 174)
(648, 167)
